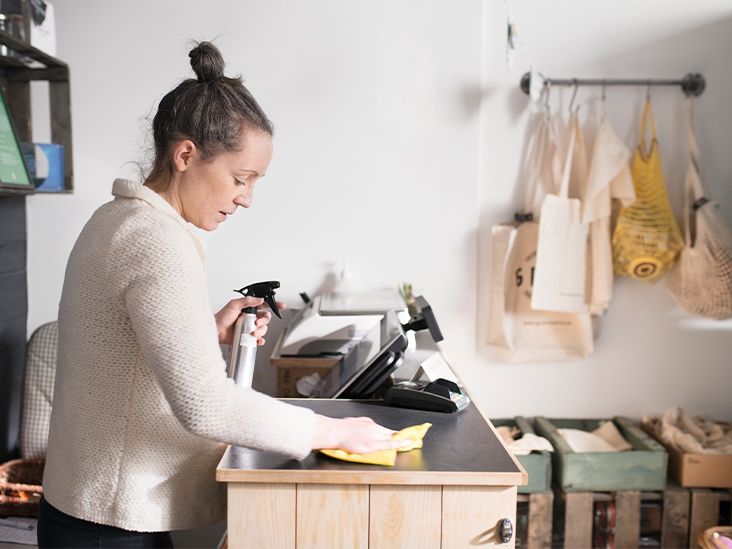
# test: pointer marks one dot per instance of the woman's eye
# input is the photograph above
(240, 181)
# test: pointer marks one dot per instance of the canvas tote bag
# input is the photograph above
(561, 269)
(608, 179)
(701, 281)
(520, 332)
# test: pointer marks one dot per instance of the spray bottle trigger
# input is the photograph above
(265, 290)
(270, 300)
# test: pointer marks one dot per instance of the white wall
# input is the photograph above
(649, 355)
(398, 134)
(374, 143)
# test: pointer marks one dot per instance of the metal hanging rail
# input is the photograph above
(691, 84)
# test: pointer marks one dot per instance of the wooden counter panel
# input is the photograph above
(470, 515)
(405, 516)
(332, 516)
(250, 512)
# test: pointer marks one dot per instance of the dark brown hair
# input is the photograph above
(213, 111)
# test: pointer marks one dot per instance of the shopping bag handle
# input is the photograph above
(693, 142)
(694, 197)
(647, 116)
(538, 150)
(574, 128)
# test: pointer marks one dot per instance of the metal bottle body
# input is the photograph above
(243, 350)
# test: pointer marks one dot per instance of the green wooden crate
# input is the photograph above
(643, 468)
(537, 464)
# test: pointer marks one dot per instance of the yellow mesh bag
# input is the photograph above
(647, 238)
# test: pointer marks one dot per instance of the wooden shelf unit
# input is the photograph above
(15, 79)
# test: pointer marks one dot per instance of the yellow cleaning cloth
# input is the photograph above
(415, 433)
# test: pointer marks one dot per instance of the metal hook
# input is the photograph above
(548, 89)
(574, 94)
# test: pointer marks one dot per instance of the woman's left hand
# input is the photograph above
(226, 318)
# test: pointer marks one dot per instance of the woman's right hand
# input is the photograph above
(356, 435)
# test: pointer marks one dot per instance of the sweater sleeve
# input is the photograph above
(162, 286)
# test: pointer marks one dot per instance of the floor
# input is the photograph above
(202, 538)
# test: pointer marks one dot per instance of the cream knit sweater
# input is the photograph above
(142, 406)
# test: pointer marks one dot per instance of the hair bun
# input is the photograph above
(207, 62)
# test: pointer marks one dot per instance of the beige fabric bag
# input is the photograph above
(561, 268)
(701, 281)
(522, 333)
(693, 435)
(609, 178)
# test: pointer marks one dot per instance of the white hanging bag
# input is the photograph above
(608, 178)
(561, 269)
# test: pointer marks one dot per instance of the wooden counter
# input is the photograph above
(451, 493)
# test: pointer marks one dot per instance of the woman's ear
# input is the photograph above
(183, 153)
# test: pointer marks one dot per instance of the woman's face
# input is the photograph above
(209, 191)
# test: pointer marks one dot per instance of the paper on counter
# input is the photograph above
(342, 331)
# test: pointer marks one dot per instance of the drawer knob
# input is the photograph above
(505, 530)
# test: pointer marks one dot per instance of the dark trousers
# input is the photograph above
(59, 530)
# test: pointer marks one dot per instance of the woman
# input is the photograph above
(142, 406)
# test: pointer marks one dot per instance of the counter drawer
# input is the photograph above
(360, 516)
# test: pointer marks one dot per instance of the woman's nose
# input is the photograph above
(243, 200)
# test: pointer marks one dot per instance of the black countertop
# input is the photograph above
(461, 445)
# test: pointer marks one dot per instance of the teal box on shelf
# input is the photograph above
(538, 465)
(642, 468)
(45, 163)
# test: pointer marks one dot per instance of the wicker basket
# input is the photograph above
(20, 487)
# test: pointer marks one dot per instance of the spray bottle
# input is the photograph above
(244, 345)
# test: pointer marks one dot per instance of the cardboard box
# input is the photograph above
(700, 470)
(290, 369)
(697, 470)
(289, 372)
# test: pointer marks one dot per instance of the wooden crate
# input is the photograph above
(709, 507)
(534, 520)
(644, 468)
(578, 523)
(538, 465)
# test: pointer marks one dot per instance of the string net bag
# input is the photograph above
(701, 281)
(646, 239)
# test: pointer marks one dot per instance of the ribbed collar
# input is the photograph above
(124, 188)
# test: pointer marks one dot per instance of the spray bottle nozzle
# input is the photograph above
(265, 290)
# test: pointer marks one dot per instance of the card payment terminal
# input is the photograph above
(440, 395)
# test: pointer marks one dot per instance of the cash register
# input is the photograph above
(368, 346)
(373, 378)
